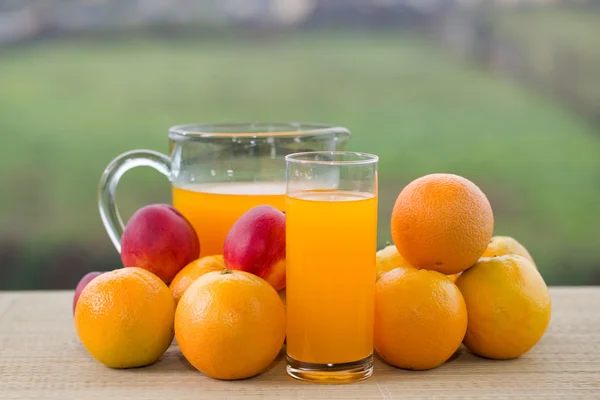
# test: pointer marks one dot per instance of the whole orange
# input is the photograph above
(230, 324)
(420, 318)
(503, 245)
(388, 259)
(442, 222)
(124, 318)
(509, 306)
(193, 271)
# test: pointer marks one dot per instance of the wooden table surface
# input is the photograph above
(41, 357)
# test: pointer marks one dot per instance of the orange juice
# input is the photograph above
(212, 209)
(331, 244)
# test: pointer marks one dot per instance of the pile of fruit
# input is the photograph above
(447, 280)
(444, 282)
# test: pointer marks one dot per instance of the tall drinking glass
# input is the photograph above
(331, 235)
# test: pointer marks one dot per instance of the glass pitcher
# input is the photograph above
(219, 171)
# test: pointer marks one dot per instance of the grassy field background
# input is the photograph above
(554, 39)
(68, 107)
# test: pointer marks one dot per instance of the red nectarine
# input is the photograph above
(159, 239)
(256, 244)
(87, 278)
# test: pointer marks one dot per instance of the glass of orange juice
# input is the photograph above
(331, 236)
(219, 171)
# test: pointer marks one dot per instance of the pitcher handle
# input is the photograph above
(107, 189)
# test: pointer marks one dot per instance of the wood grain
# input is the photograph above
(41, 357)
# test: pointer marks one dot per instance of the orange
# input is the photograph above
(124, 318)
(508, 304)
(420, 318)
(503, 245)
(193, 271)
(388, 259)
(230, 324)
(442, 222)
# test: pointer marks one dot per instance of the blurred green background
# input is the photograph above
(507, 95)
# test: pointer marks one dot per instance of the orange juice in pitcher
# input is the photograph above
(213, 208)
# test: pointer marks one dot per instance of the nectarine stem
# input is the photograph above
(225, 271)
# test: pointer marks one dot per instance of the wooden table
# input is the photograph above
(41, 357)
